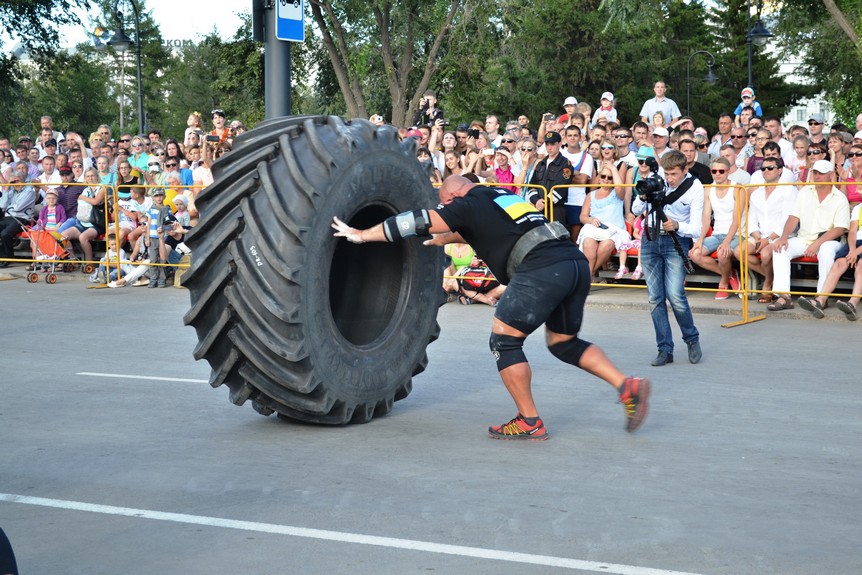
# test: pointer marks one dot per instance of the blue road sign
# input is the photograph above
(288, 20)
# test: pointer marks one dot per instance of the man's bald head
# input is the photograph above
(454, 187)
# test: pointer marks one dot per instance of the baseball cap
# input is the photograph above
(552, 138)
(660, 131)
(645, 152)
(818, 117)
(52, 191)
(607, 96)
(823, 166)
(846, 137)
(570, 101)
(63, 170)
(747, 92)
(858, 135)
(51, 142)
(414, 133)
(157, 192)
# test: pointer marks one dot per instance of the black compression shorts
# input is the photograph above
(553, 295)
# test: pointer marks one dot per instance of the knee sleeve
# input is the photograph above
(507, 349)
(570, 351)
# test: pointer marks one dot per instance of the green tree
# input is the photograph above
(35, 23)
(830, 56)
(155, 59)
(400, 40)
(71, 88)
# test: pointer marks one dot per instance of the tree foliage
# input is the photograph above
(829, 56)
(398, 39)
(35, 23)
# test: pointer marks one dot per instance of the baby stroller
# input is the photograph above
(49, 248)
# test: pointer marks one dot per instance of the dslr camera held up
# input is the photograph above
(653, 188)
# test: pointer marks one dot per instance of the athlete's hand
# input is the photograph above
(342, 230)
(438, 239)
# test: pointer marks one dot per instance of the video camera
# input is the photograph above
(653, 188)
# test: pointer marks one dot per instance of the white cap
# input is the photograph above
(823, 166)
(570, 101)
(607, 96)
(660, 131)
(858, 135)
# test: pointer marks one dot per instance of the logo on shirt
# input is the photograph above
(514, 206)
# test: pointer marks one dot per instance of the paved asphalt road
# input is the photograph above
(749, 462)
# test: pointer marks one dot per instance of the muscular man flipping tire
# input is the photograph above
(548, 282)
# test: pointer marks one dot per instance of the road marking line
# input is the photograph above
(343, 537)
(150, 377)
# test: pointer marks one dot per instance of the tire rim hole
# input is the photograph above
(366, 281)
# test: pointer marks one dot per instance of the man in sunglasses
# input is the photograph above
(623, 140)
(719, 206)
(822, 214)
(815, 128)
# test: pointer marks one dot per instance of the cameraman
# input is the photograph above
(664, 267)
(428, 110)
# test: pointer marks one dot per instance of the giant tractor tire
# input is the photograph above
(297, 321)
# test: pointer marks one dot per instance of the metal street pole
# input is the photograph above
(276, 61)
(748, 41)
(710, 77)
(142, 121)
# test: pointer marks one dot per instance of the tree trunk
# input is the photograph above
(842, 21)
(347, 80)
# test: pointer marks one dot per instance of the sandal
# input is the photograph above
(780, 303)
(464, 300)
(638, 273)
(848, 308)
(766, 298)
(621, 273)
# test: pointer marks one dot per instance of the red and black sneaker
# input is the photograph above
(634, 395)
(520, 429)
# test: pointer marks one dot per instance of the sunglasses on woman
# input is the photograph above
(606, 147)
(527, 149)
(606, 177)
(815, 152)
(854, 154)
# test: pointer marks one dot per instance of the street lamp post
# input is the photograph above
(710, 77)
(758, 35)
(121, 43)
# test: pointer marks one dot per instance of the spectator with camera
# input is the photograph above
(219, 128)
(428, 110)
(664, 248)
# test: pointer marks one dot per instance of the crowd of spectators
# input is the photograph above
(790, 209)
(66, 178)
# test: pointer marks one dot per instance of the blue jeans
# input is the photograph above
(665, 276)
